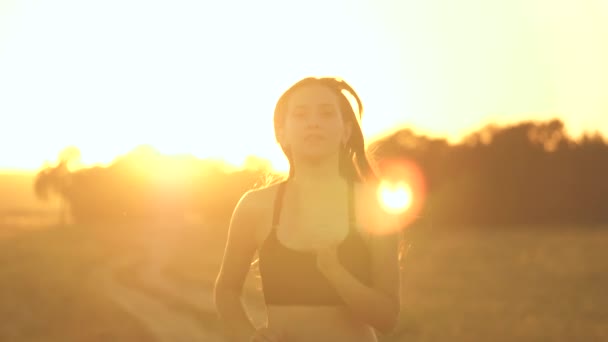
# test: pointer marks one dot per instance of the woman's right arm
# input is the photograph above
(238, 253)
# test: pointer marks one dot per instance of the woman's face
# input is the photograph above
(314, 127)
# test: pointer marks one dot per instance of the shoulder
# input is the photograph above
(365, 189)
(365, 204)
(253, 211)
(367, 199)
(260, 198)
(376, 222)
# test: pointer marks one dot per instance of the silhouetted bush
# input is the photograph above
(144, 186)
(528, 173)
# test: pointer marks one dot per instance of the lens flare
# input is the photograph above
(401, 193)
(395, 198)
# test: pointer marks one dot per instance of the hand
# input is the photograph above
(327, 259)
(267, 335)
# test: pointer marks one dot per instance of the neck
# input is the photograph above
(319, 171)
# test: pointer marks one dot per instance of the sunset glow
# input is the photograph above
(396, 198)
(401, 192)
(203, 77)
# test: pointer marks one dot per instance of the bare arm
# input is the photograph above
(238, 253)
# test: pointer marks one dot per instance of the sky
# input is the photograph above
(202, 78)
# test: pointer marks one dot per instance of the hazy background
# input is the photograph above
(128, 131)
(190, 76)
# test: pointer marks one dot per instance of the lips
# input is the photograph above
(314, 137)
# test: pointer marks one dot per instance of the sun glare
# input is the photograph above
(147, 83)
(203, 77)
(395, 198)
(400, 193)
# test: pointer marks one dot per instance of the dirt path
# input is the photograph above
(156, 307)
(169, 311)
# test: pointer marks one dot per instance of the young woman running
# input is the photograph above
(326, 272)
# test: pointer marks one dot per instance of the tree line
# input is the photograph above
(529, 173)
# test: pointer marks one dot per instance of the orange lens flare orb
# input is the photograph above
(401, 193)
(395, 198)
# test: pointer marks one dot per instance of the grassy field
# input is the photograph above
(47, 294)
(474, 285)
(507, 285)
(458, 285)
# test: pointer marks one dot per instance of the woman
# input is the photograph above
(326, 276)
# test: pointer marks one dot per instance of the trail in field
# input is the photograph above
(169, 311)
(163, 321)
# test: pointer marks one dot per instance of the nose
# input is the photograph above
(312, 123)
(313, 120)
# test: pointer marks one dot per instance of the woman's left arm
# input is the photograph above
(378, 304)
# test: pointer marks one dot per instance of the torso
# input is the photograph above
(265, 209)
(306, 322)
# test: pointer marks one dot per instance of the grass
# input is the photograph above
(458, 285)
(506, 285)
(475, 285)
(46, 293)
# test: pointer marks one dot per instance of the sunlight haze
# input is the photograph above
(202, 78)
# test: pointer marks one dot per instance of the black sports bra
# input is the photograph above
(291, 277)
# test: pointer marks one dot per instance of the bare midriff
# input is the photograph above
(318, 323)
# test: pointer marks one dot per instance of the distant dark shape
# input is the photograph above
(526, 173)
(145, 186)
(530, 173)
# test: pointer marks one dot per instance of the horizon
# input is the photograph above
(279, 165)
(189, 77)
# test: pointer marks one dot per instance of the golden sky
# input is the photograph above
(202, 77)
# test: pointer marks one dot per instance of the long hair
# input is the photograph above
(354, 163)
